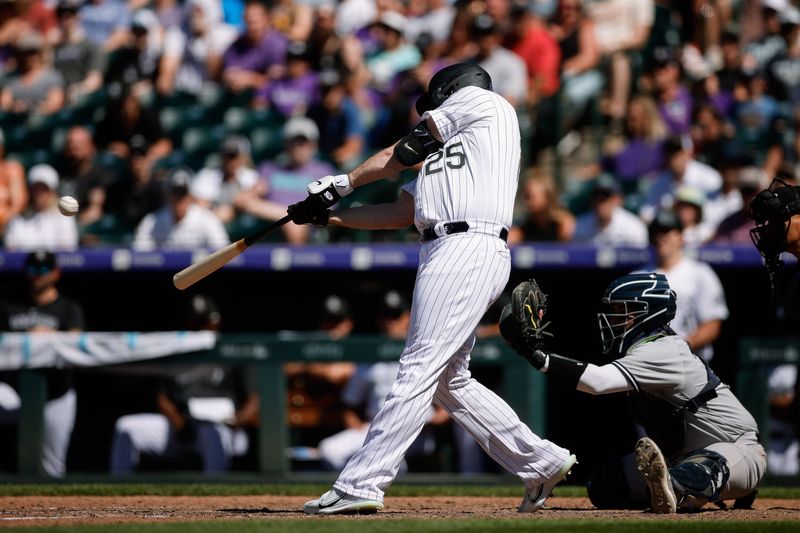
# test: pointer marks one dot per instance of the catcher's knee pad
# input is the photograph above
(698, 478)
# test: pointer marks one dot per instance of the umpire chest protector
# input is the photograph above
(665, 421)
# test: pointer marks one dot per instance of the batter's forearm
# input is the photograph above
(379, 166)
(378, 216)
(397, 215)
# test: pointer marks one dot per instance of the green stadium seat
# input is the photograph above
(244, 224)
(267, 142)
(173, 122)
(244, 120)
(9, 121)
(112, 162)
(88, 108)
(213, 102)
(176, 158)
(175, 99)
(198, 142)
(33, 157)
(57, 139)
(236, 119)
(108, 230)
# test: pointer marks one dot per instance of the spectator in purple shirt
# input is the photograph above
(642, 150)
(257, 56)
(296, 91)
(284, 180)
(674, 100)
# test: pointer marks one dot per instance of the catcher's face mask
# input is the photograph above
(772, 210)
(617, 320)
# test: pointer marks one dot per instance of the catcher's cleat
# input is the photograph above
(535, 497)
(335, 502)
(652, 465)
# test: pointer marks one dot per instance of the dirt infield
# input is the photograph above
(75, 510)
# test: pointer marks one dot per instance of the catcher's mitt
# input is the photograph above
(521, 322)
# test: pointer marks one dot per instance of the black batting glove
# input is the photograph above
(309, 211)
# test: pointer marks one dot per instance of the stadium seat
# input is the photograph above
(88, 107)
(174, 99)
(199, 142)
(212, 100)
(245, 224)
(108, 230)
(112, 162)
(244, 120)
(176, 158)
(11, 120)
(173, 123)
(267, 142)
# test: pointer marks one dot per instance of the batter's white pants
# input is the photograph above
(458, 278)
(151, 433)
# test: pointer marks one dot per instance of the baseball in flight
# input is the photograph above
(68, 205)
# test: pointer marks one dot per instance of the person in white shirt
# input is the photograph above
(181, 223)
(42, 227)
(700, 297)
(216, 187)
(681, 170)
(690, 209)
(609, 223)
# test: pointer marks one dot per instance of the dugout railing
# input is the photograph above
(523, 388)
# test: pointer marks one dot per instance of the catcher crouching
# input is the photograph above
(701, 444)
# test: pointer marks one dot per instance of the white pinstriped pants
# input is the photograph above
(459, 277)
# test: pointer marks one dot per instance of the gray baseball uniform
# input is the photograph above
(664, 368)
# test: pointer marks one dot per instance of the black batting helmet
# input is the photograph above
(634, 305)
(449, 80)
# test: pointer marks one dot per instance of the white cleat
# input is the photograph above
(652, 465)
(534, 498)
(334, 502)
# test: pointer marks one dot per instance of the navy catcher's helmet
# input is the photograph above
(634, 305)
(449, 80)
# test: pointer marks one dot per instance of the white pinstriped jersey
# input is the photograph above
(474, 176)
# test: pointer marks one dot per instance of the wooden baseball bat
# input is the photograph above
(211, 263)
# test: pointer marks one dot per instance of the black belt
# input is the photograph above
(429, 234)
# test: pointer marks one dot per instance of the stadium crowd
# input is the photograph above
(189, 123)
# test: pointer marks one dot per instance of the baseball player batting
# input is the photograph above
(468, 142)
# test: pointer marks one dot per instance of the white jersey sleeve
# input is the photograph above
(468, 107)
